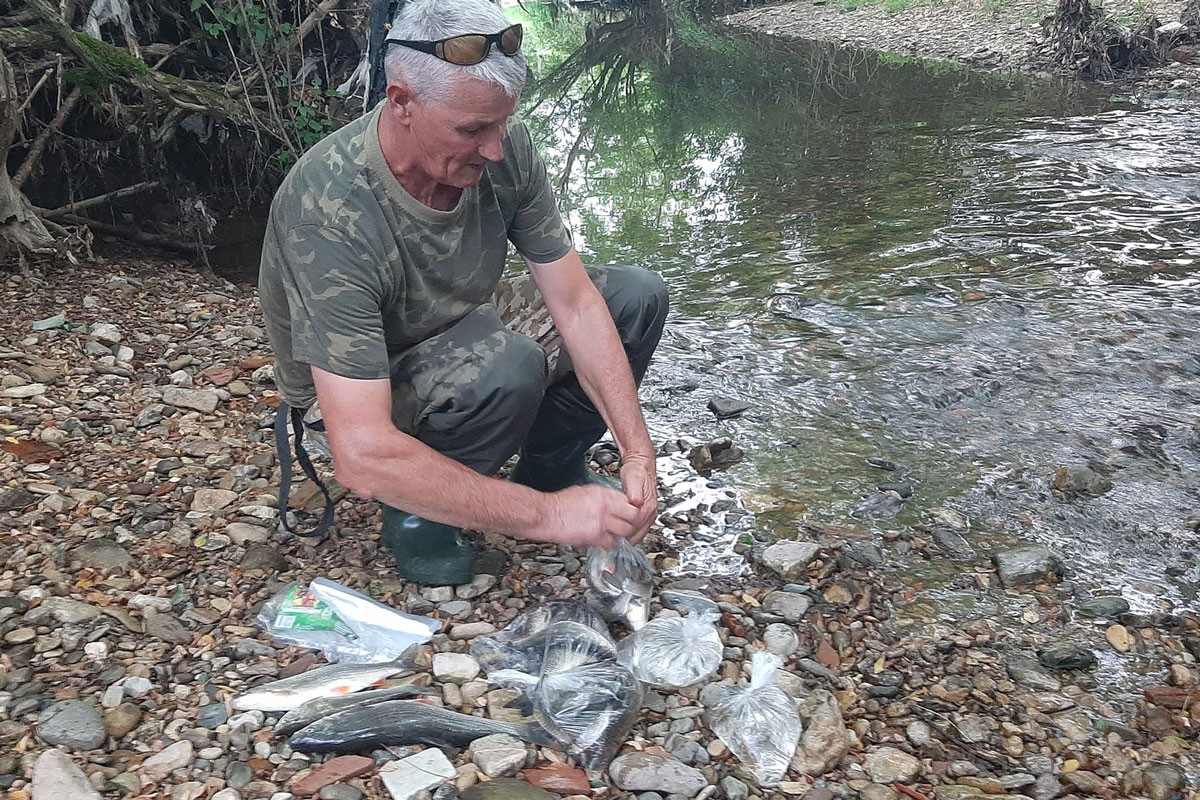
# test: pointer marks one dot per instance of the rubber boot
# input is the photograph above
(428, 553)
(555, 468)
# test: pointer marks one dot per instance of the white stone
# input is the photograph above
(182, 378)
(406, 778)
(105, 333)
(203, 400)
(113, 696)
(888, 765)
(25, 392)
(208, 501)
(227, 794)
(498, 755)
(163, 763)
(454, 667)
(781, 639)
(790, 559)
(125, 353)
(243, 533)
(647, 772)
(56, 777)
(136, 685)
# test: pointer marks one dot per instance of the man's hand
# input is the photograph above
(640, 481)
(587, 516)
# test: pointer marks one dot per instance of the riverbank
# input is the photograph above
(138, 529)
(983, 34)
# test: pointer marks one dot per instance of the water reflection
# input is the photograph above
(979, 278)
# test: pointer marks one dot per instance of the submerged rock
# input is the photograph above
(1070, 483)
(1026, 566)
(1067, 656)
(1102, 607)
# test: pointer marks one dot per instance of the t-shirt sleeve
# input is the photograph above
(335, 302)
(537, 229)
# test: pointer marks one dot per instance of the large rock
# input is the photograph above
(1029, 672)
(62, 609)
(790, 560)
(648, 772)
(789, 605)
(1026, 566)
(825, 740)
(210, 501)
(71, 723)
(56, 777)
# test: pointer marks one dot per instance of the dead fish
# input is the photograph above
(620, 581)
(331, 680)
(322, 707)
(405, 722)
(568, 645)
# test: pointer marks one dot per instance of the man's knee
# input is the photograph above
(636, 297)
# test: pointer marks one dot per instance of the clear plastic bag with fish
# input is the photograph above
(673, 652)
(589, 709)
(759, 723)
(521, 644)
(620, 581)
(343, 624)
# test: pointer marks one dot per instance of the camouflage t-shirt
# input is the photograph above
(355, 270)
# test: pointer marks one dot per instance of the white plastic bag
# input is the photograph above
(674, 652)
(620, 581)
(759, 723)
(342, 623)
(521, 644)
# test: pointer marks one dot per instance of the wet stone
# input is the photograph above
(1102, 607)
(1026, 566)
(790, 560)
(1025, 670)
(1067, 656)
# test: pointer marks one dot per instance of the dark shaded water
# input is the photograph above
(980, 279)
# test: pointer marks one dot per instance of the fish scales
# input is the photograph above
(321, 707)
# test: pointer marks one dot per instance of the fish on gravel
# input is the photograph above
(321, 707)
(589, 709)
(620, 582)
(331, 680)
(405, 722)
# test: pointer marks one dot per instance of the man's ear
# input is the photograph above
(401, 96)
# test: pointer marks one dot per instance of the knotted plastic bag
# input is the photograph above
(674, 652)
(522, 643)
(620, 581)
(759, 723)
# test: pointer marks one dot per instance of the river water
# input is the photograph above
(979, 279)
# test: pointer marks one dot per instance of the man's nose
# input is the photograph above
(493, 147)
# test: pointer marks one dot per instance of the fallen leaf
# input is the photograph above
(31, 452)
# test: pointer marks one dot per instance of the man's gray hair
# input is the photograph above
(433, 79)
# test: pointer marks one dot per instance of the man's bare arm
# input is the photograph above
(374, 459)
(599, 360)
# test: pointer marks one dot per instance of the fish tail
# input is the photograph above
(536, 734)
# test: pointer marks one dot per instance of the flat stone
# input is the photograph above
(71, 723)
(790, 560)
(498, 755)
(789, 605)
(56, 777)
(1026, 566)
(103, 554)
(336, 770)
(644, 772)
(210, 501)
(167, 628)
(824, 740)
(405, 778)
(469, 630)
(726, 407)
(889, 765)
(560, 778)
(265, 557)
(202, 400)
(1025, 670)
(1102, 607)
(243, 533)
(16, 499)
(177, 756)
(62, 609)
(1067, 656)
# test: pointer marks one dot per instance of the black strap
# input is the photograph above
(285, 468)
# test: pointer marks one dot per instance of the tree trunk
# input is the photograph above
(21, 231)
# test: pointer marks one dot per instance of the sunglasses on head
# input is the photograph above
(467, 48)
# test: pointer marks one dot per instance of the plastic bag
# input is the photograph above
(342, 623)
(759, 724)
(589, 709)
(674, 652)
(516, 646)
(620, 581)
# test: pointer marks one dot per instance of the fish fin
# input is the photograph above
(343, 689)
(523, 703)
(536, 734)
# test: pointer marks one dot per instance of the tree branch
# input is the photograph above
(98, 200)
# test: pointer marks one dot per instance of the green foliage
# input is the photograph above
(107, 65)
(246, 23)
(307, 123)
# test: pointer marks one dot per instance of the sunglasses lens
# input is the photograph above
(510, 40)
(465, 50)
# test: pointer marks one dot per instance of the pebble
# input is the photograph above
(405, 778)
(1026, 566)
(790, 560)
(788, 605)
(176, 756)
(498, 755)
(889, 765)
(57, 777)
(454, 667)
(639, 772)
(781, 639)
